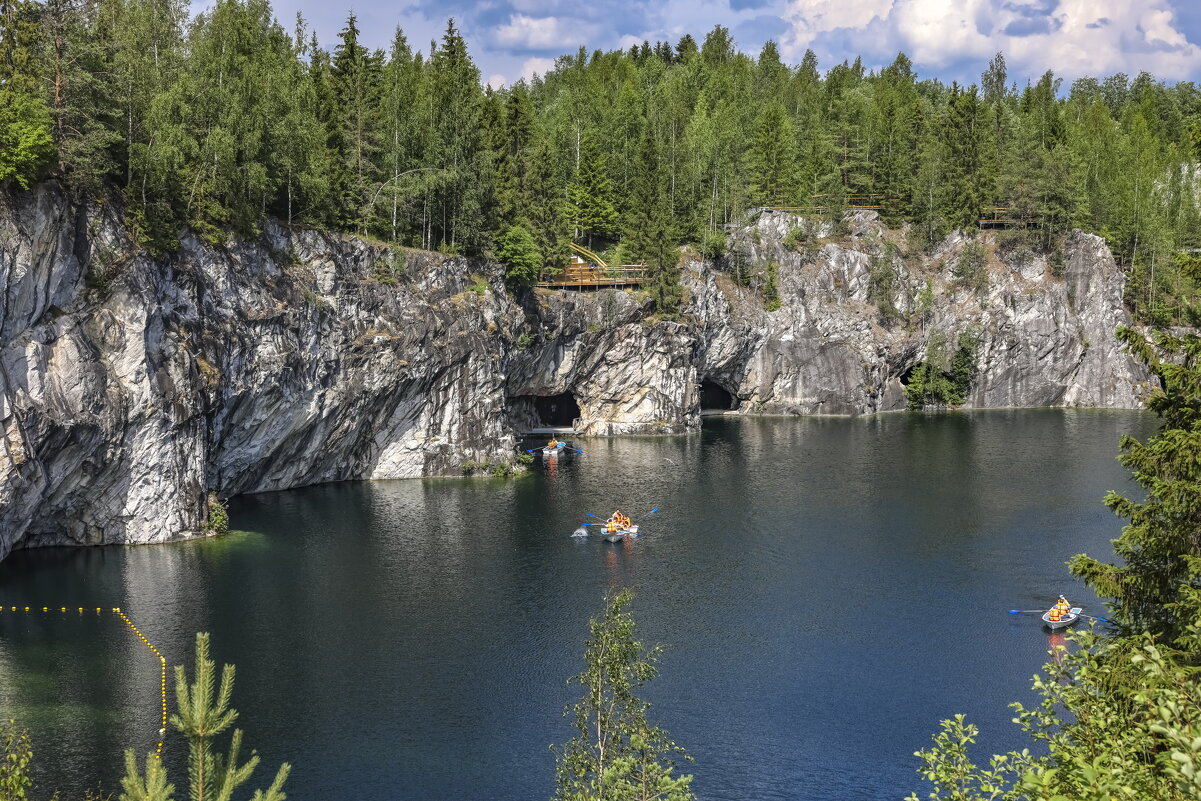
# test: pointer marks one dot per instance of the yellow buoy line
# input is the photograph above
(162, 662)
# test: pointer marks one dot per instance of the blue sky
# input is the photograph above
(950, 39)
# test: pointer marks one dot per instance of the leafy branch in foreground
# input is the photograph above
(15, 756)
(204, 713)
(617, 755)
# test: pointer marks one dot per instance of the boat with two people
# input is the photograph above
(1061, 615)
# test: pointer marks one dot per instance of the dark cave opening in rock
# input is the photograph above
(715, 397)
(556, 411)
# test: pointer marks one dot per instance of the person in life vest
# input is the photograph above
(1054, 615)
(611, 526)
(1063, 606)
(554, 443)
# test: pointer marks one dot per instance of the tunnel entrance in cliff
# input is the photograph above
(716, 398)
(554, 411)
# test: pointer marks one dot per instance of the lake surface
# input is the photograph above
(829, 589)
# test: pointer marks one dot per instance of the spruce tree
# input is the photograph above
(773, 158)
(544, 206)
(455, 100)
(590, 194)
(1160, 547)
(617, 753)
(649, 236)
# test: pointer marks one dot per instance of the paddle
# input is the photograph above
(1094, 617)
(652, 511)
(1026, 611)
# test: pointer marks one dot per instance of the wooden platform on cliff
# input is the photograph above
(584, 276)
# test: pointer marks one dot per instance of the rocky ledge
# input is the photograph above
(133, 386)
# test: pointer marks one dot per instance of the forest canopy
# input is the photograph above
(223, 119)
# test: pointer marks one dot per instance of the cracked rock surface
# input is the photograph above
(132, 385)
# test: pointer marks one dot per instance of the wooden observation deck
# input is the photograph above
(589, 271)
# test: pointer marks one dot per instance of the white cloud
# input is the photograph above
(1072, 37)
(523, 32)
(536, 66)
(496, 81)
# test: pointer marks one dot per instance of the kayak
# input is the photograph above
(1063, 622)
(621, 534)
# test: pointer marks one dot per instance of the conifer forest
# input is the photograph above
(220, 120)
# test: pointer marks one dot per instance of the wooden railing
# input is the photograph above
(589, 275)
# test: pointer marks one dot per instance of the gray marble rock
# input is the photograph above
(132, 386)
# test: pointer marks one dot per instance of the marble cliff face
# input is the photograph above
(132, 386)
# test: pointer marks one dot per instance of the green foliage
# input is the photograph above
(771, 288)
(1120, 717)
(713, 244)
(590, 195)
(218, 516)
(649, 231)
(15, 756)
(1117, 718)
(795, 238)
(479, 285)
(971, 267)
(1159, 548)
(520, 257)
(220, 121)
(944, 378)
(616, 753)
(882, 285)
(203, 714)
(26, 145)
(924, 305)
(151, 787)
(390, 266)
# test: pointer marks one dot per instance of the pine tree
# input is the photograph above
(965, 140)
(76, 55)
(617, 754)
(204, 713)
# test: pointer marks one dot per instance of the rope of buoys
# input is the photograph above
(162, 661)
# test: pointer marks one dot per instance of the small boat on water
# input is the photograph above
(555, 451)
(620, 534)
(1065, 620)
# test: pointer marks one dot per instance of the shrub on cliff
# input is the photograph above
(218, 516)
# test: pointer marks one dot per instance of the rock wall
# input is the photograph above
(132, 386)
